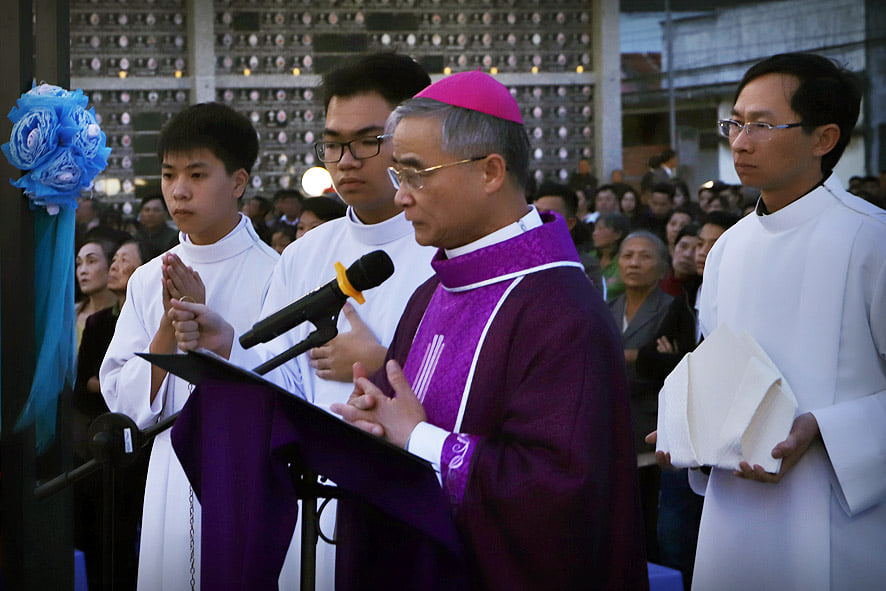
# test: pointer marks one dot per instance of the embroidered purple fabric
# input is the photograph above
(454, 464)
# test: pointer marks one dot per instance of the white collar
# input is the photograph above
(384, 232)
(243, 236)
(527, 222)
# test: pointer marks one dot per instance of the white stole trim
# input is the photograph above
(428, 366)
(470, 378)
(513, 275)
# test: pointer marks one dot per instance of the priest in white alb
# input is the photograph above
(805, 276)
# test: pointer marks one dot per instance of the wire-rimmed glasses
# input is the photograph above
(756, 130)
(413, 178)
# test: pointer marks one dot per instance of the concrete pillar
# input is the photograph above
(201, 50)
(607, 87)
(875, 99)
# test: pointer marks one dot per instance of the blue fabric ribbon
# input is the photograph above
(53, 321)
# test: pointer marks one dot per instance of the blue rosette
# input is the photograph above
(57, 178)
(58, 143)
(34, 138)
(80, 130)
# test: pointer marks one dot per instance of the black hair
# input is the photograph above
(666, 155)
(152, 197)
(682, 209)
(286, 230)
(679, 183)
(622, 188)
(828, 93)
(394, 76)
(723, 198)
(570, 199)
(602, 188)
(690, 229)
(666, 188)
(226, 133)
(289, 193)
(102, 233)
(724, 219)
(264, 204)
(324, 208)
(617, 222)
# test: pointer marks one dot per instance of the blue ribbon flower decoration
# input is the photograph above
(59, 142)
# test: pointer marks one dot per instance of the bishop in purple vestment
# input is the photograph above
(512, 383)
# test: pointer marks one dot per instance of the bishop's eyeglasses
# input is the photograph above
(360, 148)
(413, 178)
(756, 130)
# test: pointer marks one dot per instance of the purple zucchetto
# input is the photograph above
(475, 91)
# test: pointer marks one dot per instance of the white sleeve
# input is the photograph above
(854, 432)
(126, 379)
(426, 441)
(287, 376)
(707, 306)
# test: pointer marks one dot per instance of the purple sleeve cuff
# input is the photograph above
(455, 464)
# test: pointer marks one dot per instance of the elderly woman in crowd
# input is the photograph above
(643, 261)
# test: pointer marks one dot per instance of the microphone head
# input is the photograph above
(370, 270)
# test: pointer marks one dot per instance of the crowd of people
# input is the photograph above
(513, 460)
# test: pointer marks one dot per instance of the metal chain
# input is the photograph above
(193, 564)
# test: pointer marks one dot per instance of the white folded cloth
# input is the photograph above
(725, 403)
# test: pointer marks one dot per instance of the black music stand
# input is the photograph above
(239, 435)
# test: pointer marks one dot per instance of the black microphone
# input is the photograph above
(367, 272)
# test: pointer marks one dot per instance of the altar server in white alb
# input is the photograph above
(206, 154)
(358, 97)
(805, 275)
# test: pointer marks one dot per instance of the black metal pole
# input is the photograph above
(309, 534)
(319, 337)
(108, 525)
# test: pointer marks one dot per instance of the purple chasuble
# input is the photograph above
(515, 355)
(444, 353)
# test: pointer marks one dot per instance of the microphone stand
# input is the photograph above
(305, 481)
(115, 440)
(326, 331)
